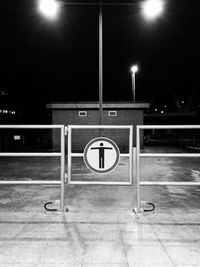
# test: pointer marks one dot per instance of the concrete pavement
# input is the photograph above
(103, 238)
(100, 228)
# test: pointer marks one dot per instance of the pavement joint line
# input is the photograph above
(163, 247)
(67, 222)
(26, 223)
(15, 237)
(194, 240)
(124, 246)
(40, 257)
(76, 239)
(171, 223)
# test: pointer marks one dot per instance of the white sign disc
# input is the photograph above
(101, 155)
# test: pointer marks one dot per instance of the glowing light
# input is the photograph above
(134, 68)
(152, 8)
(49, 8)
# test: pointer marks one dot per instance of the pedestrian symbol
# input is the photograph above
(101, 155)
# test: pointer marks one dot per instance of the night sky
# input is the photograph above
(42, 61)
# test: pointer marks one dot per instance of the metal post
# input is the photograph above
(134, 177)
(131, 154)
(100, 64)
(69, 153)
(133, 85)
(62, 170)
(138, 167)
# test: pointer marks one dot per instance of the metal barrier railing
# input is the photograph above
(129, 154)
(60, 154)
(140, 155)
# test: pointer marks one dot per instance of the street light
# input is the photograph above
(152, 8)
(134, 69)
(49, 8)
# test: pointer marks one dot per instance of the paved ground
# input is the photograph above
(100, 228)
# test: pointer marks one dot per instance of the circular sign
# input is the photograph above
(101, 155)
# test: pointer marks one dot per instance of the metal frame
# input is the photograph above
(60, 154)
(140, 155)
(129, 154)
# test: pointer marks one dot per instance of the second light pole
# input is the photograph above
(134, 69)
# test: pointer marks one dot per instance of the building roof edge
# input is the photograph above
(111, 105)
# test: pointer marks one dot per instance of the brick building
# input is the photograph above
(118, 113)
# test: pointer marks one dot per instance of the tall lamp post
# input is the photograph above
(51, 8)
(134, 69)
(100, 65)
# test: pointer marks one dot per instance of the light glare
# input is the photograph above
(49, 8)
(134, 69)
(152, 8)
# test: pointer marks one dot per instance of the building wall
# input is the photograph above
(80, 137)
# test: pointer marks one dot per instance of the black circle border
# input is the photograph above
(103, 139)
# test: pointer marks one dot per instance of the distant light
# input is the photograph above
(134, 68)
(183, 102)
(3, 92)
(11, 112)
(152, 8)
(156, 109)
(162, 111)
(17, 137)
(49, 8)
(165, 106)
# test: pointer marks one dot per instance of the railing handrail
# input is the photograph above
(61, 154)
(140, 155)
(31, 126)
